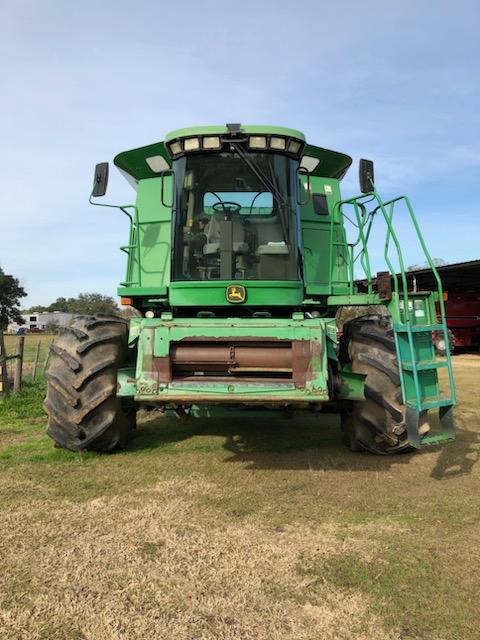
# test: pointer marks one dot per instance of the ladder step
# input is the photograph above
(432, 403)
(418, 328)
(425, 365)
(441, 437)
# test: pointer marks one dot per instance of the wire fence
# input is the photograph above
(22, 358)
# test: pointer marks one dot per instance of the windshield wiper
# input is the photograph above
(271, 186)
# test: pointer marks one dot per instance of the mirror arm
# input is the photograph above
(162, 190)
(305, 172)
(122, 207)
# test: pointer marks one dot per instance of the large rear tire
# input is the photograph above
(376, 424)
(84, 412)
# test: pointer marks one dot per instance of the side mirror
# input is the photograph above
(100, 180)
(366, 176)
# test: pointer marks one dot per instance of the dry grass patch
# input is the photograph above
(150, 565)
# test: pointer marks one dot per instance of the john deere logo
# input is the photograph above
(236, 293)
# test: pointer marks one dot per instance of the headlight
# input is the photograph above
(191, 144)
(293, 146)
(211, 142)
(257, 142)
(175, 148)
(277, 143)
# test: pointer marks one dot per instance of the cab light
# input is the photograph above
(257, 142)
(293, 146)
(278, 143)
(309, 163)
(157, 164)
(211, 142)
(176, 148)
(126, 302)
(191, 144)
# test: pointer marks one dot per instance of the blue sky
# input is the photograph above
(397, 82)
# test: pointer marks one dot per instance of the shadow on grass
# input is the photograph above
(458, 458)
(306, 442)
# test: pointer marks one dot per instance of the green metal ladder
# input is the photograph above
(419, 366)
(414, 320)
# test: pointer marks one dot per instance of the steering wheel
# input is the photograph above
(228, 208)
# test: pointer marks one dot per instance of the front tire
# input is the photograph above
(84, 412)
(376, 424)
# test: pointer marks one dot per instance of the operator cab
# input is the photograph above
(235, 220)
(235, 208)
(218, 204)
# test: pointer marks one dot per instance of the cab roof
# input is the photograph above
(133, 163)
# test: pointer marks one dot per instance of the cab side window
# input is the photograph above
(320, 205)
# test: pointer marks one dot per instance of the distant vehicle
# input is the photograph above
(462, 310)
(35, 330)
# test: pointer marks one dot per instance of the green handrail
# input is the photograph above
(364, 220)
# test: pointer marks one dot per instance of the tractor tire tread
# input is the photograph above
(69, 395)
(71, 361)
(376, 423)
(84, 411)
(381, 366)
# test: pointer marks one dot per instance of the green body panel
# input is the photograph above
(149, 249)
(316, 231)
(266, 293)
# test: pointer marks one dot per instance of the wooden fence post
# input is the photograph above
(4, 384)
(35, 362)
(47, 357)
(17, 380)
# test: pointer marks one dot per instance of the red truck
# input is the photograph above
(463, 318)
(461, 286)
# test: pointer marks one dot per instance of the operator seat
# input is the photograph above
(271, 251)
(270, 238)
(212, 245)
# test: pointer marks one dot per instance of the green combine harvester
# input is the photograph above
(238, 262)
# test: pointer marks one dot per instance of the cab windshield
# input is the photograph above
(234, 217)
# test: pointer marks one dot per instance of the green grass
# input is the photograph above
(26, 405)
(266, 522)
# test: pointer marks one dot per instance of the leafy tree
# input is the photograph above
(85, 303)
(91, 303)
(10, 294)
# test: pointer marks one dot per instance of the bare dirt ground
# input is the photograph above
(254, 529)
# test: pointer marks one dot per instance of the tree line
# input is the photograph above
(11, 293)
(84, 303)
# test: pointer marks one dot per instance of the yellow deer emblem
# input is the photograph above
(236, 293)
